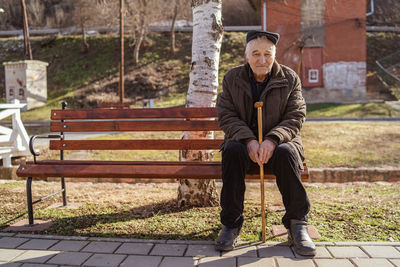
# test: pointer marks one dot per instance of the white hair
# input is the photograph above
(258, 38)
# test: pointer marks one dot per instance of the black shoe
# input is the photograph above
(299, 238)
(227, 238)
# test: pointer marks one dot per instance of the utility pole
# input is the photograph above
(27, 44)
(121, 63)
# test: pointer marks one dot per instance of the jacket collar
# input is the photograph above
(277, 79)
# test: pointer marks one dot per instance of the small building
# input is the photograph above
(26, 81)
(324, 41)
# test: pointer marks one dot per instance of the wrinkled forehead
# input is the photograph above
(261, 44)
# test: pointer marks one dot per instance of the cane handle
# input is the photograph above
(258, 104)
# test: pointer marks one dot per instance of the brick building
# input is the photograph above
(325, 42)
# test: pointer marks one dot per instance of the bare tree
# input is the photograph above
(203, 85)
(90, 13)
(35, 10)
(142, 13)
(180, 9)
(84, 13)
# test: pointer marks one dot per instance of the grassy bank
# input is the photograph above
(149, 211)
(75, 76)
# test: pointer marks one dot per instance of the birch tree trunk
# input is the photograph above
(203, 85)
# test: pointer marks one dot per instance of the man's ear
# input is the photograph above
(245, 57)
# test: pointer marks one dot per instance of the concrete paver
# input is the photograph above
(322, 252)
(140, 261)
(104, 260)
(11, 242)
(375, 243)
(38, 244)
(178, 261)
(217, 262)
(372, 263)
(382, 252)
(168, 250)
(6, 234)
(63, 237)
(202, 251)
(255, 262)
(347, 252)
(333, 263)
(69, 245)
(101, 247)
(10, 264)
(9, 254)
(275, 251)
(395, 262)
(285, 262)
(35, 256)
(37, 265)
(135, 248)
(70, 258)
(249, 251)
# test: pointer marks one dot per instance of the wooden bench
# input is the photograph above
(126, 120)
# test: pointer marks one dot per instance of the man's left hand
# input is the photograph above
(266, 150)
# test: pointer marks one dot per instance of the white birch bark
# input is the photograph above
(203, 85)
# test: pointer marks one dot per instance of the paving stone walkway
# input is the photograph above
(29, 250)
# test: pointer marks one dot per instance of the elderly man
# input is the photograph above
(279, 88)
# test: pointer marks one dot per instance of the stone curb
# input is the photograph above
(362, 174)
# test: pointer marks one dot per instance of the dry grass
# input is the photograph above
(362, 212)
(352, 144)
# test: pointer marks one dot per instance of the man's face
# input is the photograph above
(260, 55)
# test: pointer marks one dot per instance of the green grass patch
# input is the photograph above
(351, 110)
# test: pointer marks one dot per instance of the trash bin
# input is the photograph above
(26, 81)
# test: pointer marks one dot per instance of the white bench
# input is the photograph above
(14, 141)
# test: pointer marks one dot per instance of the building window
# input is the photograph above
(313, 76)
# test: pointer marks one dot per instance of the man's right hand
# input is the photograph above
(252, 148)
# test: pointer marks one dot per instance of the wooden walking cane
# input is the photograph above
(258, 106)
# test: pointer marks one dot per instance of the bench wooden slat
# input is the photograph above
(121, 126)
(153, 171)
(123, 162)
(154, 113)
(132, 169)
(135, 144)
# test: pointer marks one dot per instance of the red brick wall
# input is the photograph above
(285, 20)
(345, 32)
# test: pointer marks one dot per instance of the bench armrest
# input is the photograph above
(34, 137)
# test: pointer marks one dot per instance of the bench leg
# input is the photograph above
(29, 199)
(64, 192)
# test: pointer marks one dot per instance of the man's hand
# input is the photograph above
(266, 150)
(252, 148)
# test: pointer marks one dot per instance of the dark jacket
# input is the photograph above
(284, 108)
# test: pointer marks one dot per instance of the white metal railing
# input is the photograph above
(14, 141)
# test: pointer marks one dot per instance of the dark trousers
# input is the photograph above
(236, 163)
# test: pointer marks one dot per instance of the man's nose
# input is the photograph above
(262, 59)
